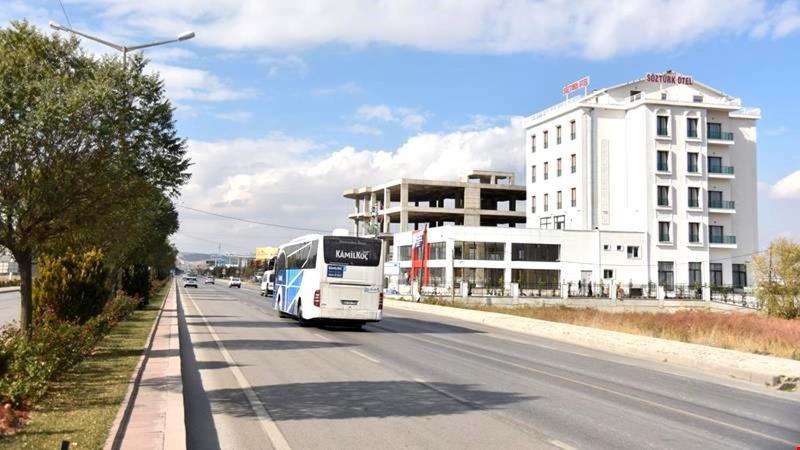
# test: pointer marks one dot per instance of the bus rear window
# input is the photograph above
(352, 251)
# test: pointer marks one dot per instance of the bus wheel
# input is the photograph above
(300, 320)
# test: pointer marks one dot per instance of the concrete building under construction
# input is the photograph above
(481, 198)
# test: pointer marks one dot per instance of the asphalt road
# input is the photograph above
(252, 380)
(9, 307)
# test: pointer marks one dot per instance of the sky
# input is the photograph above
(284, 105)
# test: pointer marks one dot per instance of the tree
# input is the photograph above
(778, 279)
(81, 140)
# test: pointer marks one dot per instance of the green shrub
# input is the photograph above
(73, 287)
(779, 300)
(136, 282)
(8, 283)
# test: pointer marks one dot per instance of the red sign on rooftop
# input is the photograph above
(575, 85)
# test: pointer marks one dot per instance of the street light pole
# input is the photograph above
(123, 48)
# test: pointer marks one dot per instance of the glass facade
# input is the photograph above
(536, 252)
(482, 251)
(536, 278)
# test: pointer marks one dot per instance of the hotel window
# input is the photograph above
(574, 197)
(663, 232)
(544, 222)
(545, 170)
(572, 130)
(573, 163)
(533, 174)
(404, 253)
(691, 127)
(482, 251)
(535, 252)
(713, 130)
(662, 125)
(662, 161)
(533, 203)
(691, 163)
(558, 200)
(663, 195)
(545, 135)
(666, 274)
(559, 222)
(715, 199)
(545, 203)
(694, 232)
(608, 274)
(694, 197)
(558, 134)
(715, 272)
(437, 250)
(533, 143)
(558, 167)
(714, 164)
(633, 252)
(739, 275)
(716, 234)
(695, 274)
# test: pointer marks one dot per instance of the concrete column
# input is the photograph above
(404, 207)
(707, 293)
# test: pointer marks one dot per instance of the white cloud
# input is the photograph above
(779, 22)
(286, 180)
(787, 187)
(183, 83)
(359, 128)
(591, 28)
(235, 116)
(284, 64)
(169, 54)
(348, 88)
(407, 117)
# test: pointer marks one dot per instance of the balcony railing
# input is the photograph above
(722, 204)
(663, 237)
(572, 169)
(724, 170)
(720, 135)
(693, 168)
(558, 172)
(721, 239)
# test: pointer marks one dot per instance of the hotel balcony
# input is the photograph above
(722, 206)
(715, 171)
(721, 241)
(720, 137)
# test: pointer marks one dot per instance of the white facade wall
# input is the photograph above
(581, 252)
(617, 178)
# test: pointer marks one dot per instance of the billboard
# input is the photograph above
(266, 253)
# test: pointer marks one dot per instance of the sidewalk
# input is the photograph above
(152, 415)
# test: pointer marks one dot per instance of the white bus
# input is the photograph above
(335, 278)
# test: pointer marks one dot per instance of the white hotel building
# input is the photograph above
(650, 181)
(663, 155)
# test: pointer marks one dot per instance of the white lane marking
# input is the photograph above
(356, 352)
(276, 438)
(561, 445)
(610, 391)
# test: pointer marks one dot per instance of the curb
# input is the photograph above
(764, 370)
(9, 289)
(118, 428)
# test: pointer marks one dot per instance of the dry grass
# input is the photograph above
(752, 333)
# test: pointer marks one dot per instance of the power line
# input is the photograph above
(197, 238)
(255, 222)
(66, 16)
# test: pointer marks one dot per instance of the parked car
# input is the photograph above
(235, 281)
(209, 280)
(190, 282)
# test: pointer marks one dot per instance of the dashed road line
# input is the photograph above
(368, 358)
(274, 434)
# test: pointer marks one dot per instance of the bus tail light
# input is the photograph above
(380, 300)
(317, 298)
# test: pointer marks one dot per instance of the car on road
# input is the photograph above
(209, 280)
(267, 283)
(235, 281)
(190, 282)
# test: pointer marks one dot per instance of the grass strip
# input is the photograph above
(81, 406)
(753, 333)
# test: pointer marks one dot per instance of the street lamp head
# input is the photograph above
(186, 36)
(55, 26)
